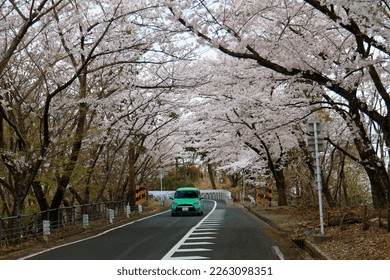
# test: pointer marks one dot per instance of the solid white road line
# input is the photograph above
(91, 237)
(175, 248)
(278, 252)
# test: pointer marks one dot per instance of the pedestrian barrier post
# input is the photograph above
(112, 215)
(85, 221)
(46, 230)
(128, 210)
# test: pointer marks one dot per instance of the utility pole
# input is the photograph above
(161, 176)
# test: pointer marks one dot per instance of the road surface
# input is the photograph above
(222, 233)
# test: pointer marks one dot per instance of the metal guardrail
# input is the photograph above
(16, 228)
(208, 194)
(218, 195)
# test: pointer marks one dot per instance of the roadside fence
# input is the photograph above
(17, 228)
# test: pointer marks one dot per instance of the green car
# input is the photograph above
(186, 201)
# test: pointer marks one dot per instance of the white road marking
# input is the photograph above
(175, 248)
(198, 243)
(91, 237)
(194, 250)
(205, 229)
(189, 258)
(201, 237)
(203, 233)
(278, 252)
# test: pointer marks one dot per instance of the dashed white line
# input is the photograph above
(198, 243)
(201, 237)
(204, 233)
(206, 229)
(176, 248)
(193, 250)
(189, 258)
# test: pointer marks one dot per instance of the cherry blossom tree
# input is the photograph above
(336, 47)
(96, 95)
(67, 65)
(246, 124)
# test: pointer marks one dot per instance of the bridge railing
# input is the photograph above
(221, 195)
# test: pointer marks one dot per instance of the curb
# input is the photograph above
(305, 244)
(314, 251)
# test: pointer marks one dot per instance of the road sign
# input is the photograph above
(314, 137)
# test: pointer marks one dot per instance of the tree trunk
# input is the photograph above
(40, 196)
(176, 168)
(276, 168)
(64, 180)
(211, 176)
(280, 184)
(234, 179)
(374, 167)
(379, 180)
(326, 192)
(132, 184)
(2, 144)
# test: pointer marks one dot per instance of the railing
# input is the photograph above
(16, 228)
(223, 195)
(21, 227)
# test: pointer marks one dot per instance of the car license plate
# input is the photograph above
(184, 209)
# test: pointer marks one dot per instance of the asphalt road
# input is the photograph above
(222, 233)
